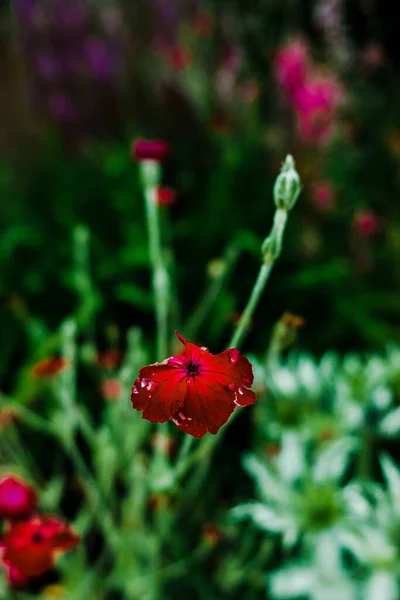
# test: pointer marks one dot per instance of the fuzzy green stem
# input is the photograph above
(161, 284)
(255, 296)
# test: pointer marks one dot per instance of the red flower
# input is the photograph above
(166, 196)
(109, 359)
(196, 390)
(49, 367)
(366, 223)
(203, 24)
(30, 546)
(323, 196)
(15, 577)
(111, 389)
(17, 499)
(180, 58)
(149, 150)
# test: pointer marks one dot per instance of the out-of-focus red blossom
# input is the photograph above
(165, 443)
(393, 141)
(50, 367)
(180, 58)
(212, 534)
(316, 104)
(291, 67)
(31, 546)
(18, 499)
(373, 56)
(15, 577)
(323, 196)
(203, 24)
(166, 196)
(272, 449)
(8, 416)
(366, 223)
(109, 359)
(196, 390)
(111, 389)
(156, 150)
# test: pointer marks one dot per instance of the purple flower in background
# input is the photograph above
(166, 14)
(71, 16)
(62, 107)
(47, 66)
(24, 9)
(99, 58)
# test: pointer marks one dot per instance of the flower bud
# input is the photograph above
(287, 185)
(17, 499)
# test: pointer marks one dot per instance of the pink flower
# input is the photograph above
(17, 499)
(316, 105)
(155, 150)
(291, 67)
(323, 196)
(366, 223)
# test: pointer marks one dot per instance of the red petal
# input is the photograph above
(159, 392)
(193, 352)
(228, 367)
(206, 408)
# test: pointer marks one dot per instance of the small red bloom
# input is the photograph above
(166, 196)
(109, 359)
(155, 150)
(15, 577)
(196, 390)
(31, 546)
(8, 416)
(180, 58)
(18, 500)
(111, 389)
(323, 196)
(366, 223)
(203, 24)
(49, 367)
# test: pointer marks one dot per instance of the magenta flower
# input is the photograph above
(17, 499)
(291, 68)
(316, 104)
(156, 150)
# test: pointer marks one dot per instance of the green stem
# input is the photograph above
(161, 282)
(255, 296)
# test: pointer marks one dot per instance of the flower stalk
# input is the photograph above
(151, 172)
(286, 191)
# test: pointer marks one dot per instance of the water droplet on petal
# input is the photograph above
(150, 386)
(232, 387)
(143, 382)
(204, 348)
(233, 355)
(241, 391)
(135, 390)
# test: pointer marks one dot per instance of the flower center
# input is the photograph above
(192, 368)
(37, 537)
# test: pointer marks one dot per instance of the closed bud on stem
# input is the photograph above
(287, 186)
